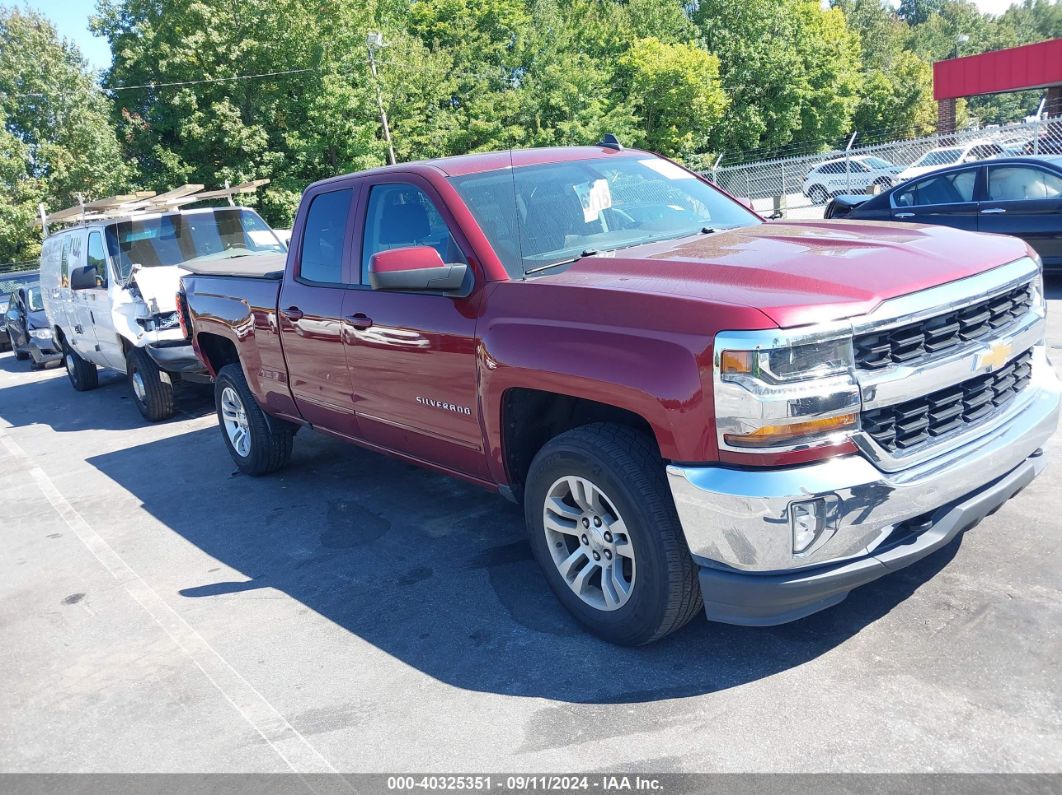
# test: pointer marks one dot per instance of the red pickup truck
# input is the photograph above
(698, 410)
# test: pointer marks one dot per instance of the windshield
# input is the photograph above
(9, 282)
(34, 300)
(537, 216)
(877, 162)
(939, 157)
(189, 237)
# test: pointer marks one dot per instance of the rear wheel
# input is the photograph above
(818, 194)
(603, 527)
(83, 375)
(152, 388)
(257, 443)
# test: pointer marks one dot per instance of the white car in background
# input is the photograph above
(851, 175)
(951, 156)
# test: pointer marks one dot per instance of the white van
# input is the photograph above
(110, 292)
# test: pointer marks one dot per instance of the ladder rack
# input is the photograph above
(132, 205)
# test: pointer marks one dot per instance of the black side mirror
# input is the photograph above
(83, 278)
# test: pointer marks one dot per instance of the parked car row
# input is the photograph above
(859, 173)
(10, 283)
(1010, 196)
(699, 411)
(28, 327)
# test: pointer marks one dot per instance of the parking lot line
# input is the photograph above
(291, 746)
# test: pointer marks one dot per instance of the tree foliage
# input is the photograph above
(57, 138)
(688, 79)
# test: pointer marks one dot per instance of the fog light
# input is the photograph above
(808, 519)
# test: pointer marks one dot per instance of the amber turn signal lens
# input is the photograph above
(735, 362)
(774, 435)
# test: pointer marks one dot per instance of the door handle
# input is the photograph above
(993, 211)
(292, 313)
(359, 321)
(905, 215)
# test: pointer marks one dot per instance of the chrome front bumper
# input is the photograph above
(737, 521)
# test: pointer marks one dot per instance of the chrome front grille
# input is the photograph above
(902, 427)
(926, 339)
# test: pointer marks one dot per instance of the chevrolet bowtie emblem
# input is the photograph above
(996, 356)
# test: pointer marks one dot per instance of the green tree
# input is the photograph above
(790, 68)
(676, 94)
(57, 139)
(896, 99)
(291, 128)
(1034, 20)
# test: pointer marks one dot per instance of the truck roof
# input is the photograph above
(481, 162)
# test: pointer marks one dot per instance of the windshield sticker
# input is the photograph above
(594, 197)
(261, 237)
(666, 169)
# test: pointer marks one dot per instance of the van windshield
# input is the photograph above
(189, 237)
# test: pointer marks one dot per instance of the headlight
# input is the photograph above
(777, 391)
(41, 333)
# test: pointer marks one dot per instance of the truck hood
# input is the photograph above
(160, 285)
(800, 273)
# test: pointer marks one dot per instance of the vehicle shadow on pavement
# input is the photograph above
(47, 398)
(438, 574)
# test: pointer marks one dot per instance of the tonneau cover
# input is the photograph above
(260, 266)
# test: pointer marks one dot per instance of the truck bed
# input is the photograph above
(256, 266)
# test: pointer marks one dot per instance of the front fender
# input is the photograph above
(658, 376)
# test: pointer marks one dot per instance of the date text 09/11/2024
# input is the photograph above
(525, 783)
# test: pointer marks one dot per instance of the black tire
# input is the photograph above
(818, 194)
(83, 375)
(270, 439)
(154, 398)
(626, 466)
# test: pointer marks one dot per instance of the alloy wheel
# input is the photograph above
(589, 543)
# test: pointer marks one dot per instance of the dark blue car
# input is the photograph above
(1020, 196)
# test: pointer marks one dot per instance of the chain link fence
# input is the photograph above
(799, 186)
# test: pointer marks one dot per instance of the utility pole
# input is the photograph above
(374, 40)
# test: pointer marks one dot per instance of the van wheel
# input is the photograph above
(152, 388)
(257, 443)
(83, 375)
(603, 526)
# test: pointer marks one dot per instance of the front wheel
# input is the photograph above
(83, 375)
(257, 443)
(152, 388)
(603, 527)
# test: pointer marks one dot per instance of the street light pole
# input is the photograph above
(374, 40)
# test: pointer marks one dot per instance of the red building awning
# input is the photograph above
(1019, 68)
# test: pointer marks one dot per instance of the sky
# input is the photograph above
(71, 20)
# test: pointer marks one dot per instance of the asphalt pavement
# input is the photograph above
(161, 613)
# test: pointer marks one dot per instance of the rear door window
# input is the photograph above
(323, 237)
(1022, 183)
